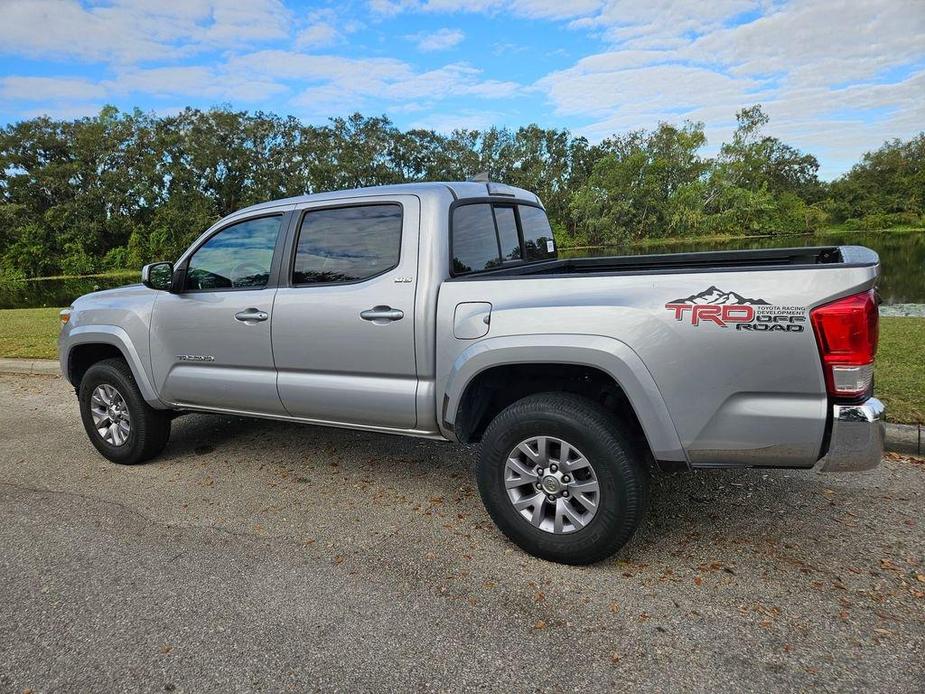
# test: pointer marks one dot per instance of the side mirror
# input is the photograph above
(158, 275)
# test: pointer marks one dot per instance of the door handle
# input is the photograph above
(382, 314)
(251, 315)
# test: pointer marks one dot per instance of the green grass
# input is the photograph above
(32, 333)
(900, 370)
(29, 333)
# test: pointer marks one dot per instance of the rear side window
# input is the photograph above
(489, 235)
(507, 233)
(538, 241)
(475, 243)
(347, 244)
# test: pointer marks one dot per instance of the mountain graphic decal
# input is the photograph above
(718, 297)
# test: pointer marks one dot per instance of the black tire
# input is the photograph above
(616, 461)
(150, 428)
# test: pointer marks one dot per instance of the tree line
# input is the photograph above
(120, 189)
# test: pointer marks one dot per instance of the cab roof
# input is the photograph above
(458, 189)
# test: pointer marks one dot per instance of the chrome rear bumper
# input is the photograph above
(857, 438)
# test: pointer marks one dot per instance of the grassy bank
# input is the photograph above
(31, 333)
(108, 273)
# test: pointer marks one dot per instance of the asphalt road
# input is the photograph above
(256, 556)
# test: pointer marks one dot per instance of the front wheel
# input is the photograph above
(561, 479)
(120, 424)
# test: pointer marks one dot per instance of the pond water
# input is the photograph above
(901, 254)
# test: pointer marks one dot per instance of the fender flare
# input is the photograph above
(117, 337)
(607, 354)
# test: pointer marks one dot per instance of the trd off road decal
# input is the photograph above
(715, 307)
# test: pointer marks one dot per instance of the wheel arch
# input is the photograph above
(87, 345)
(586, 364)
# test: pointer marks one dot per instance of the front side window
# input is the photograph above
(237, 257)
(347, 244)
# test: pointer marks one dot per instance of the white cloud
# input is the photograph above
(836, 77)
(635, 95)
(334, 83)
(439, 40)
(136, 30)
(195, 81)
(49, 89)
(317, 35)
(660, 23)
(468, 120)
(821, 43)
(808, 62)
(533, 9)
(349, 73)
(325, 28)
(65, 112)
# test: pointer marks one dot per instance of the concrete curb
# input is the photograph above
(33, 367)
(905, 438)
(900, 438)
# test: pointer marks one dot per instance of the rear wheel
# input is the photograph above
(561, 479)
(120, 424)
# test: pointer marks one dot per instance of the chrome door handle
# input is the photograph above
(382, 314)
(251, 315)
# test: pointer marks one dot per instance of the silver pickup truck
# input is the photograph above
(442, 310)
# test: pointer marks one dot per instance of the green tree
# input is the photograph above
(635, 188)
(121, 189)
(887, 187)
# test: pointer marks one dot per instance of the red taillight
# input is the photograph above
(847, 331)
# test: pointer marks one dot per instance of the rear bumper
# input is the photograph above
(857, 438)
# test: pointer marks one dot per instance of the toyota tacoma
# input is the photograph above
(442, 310)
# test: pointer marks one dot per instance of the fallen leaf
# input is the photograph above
(889, 565)
(540, 624)
(614, 607)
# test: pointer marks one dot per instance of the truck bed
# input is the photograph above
(754, 396)
(710, 261)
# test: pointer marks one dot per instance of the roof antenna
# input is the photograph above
(480, 177)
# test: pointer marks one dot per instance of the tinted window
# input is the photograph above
(347, 244)
(538, 240)
(236, 257)
(507, 233)
(475, 244)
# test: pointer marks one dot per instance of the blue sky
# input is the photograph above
(837, 77)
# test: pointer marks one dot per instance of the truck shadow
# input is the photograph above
(687, 511)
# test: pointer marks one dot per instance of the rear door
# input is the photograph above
(343, 322)
(210, 342)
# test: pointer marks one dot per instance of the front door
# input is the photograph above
(343, 330)
(210, 342)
